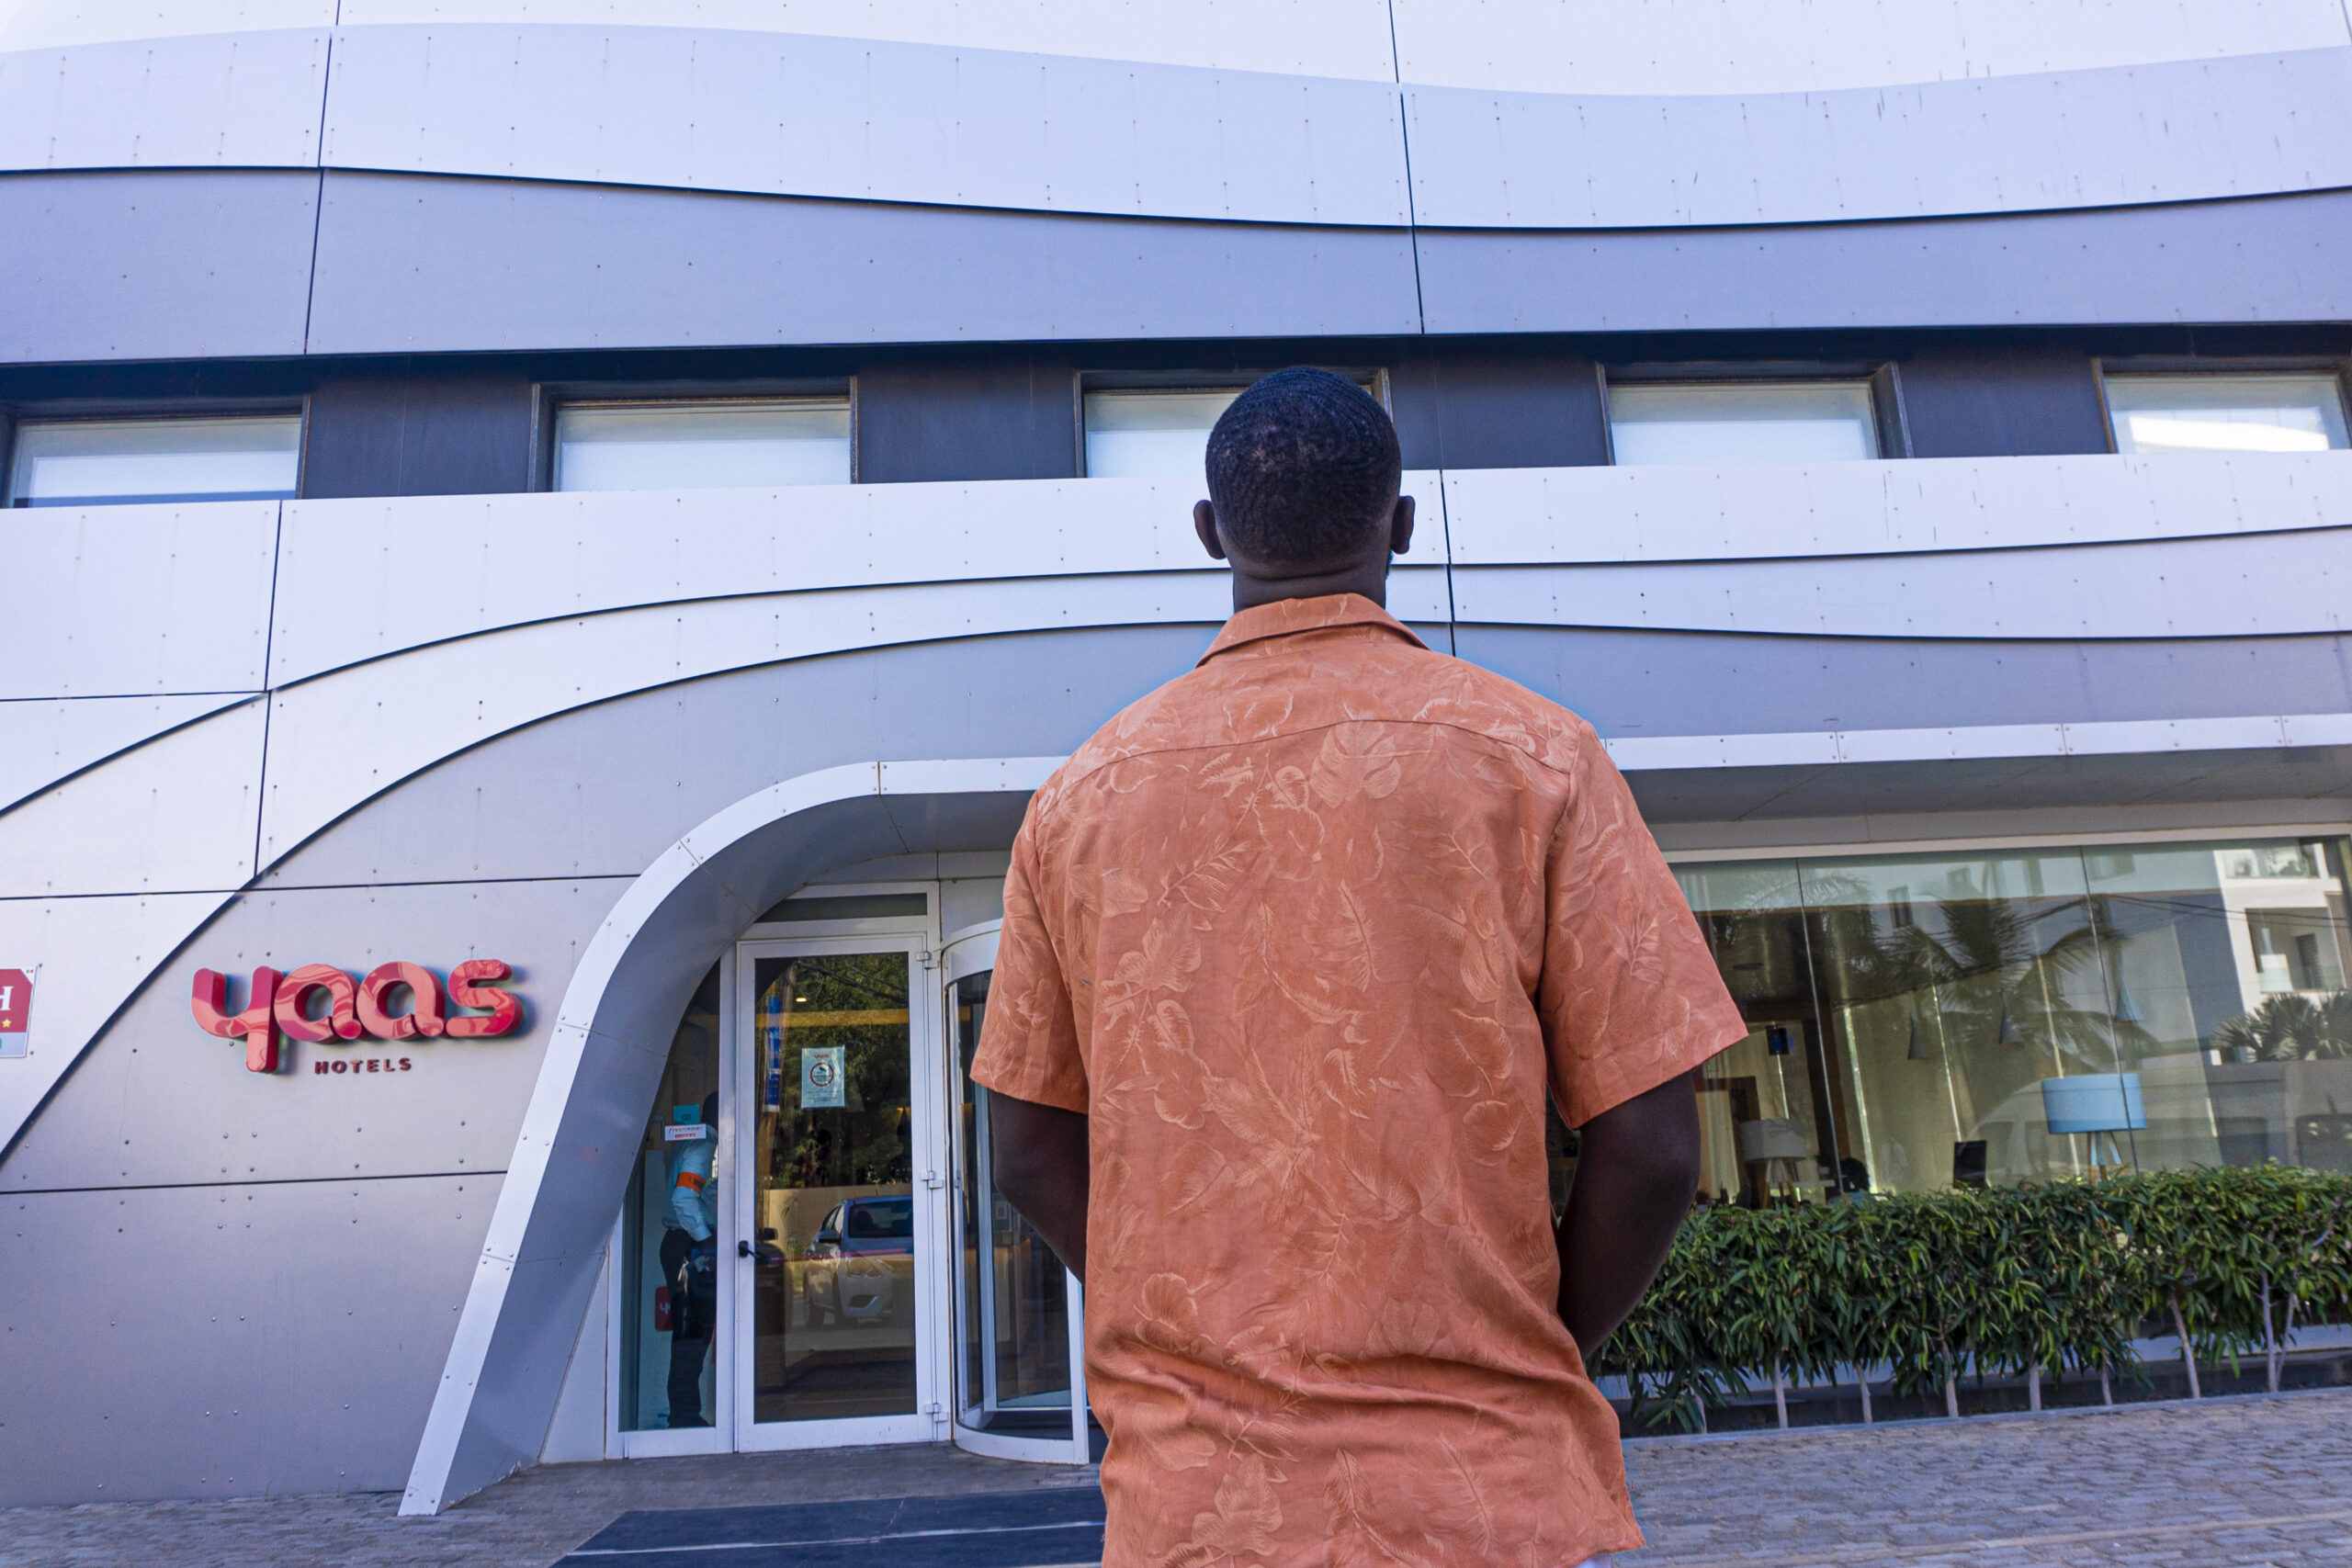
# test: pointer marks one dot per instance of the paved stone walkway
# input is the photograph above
(2249, 1480)
(2242, 1481)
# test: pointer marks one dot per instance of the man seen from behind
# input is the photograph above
(1295, 948)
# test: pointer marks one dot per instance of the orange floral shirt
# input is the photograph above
(1308, 934)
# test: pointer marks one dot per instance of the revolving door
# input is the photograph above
(1020, 1379)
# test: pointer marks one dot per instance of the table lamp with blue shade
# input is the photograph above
(2098, 1105)
(2094, 1103)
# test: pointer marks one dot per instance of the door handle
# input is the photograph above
(742, 1249)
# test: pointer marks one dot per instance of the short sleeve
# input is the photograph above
(1029, 1047)
(1630, 996)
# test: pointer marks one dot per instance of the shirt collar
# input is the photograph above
(1288, 617)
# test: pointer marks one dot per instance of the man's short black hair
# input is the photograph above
(1303, 468)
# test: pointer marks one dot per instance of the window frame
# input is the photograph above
(2335, 367)
(15, 416)
(1373, 378)
(1883, 379)
(549, 399)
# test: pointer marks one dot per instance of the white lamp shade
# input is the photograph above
(1773, 1139)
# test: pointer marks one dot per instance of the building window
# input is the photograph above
(1157, 433)
(1997, 1017)
(744, 443)
(92, 462)
(2294, 950)
(2226, 413)
(1742, 421)
(1152, 434)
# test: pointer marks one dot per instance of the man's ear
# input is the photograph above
(1400, 525)
(1204, 524)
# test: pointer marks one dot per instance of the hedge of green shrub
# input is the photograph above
(2028, 1281)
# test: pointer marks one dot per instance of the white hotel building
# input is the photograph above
(631, 499)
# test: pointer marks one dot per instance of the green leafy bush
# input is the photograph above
(2031, 1280)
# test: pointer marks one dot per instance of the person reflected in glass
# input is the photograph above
(690, 1263)
(1853, 1182)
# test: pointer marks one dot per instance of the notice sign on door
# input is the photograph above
(822, 1077)
(15, 1009)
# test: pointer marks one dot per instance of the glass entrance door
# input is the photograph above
(672, 1313)
(841, 1197)
(1020, 1366)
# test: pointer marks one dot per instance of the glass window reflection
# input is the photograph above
(833, 1312)
(1742, 421)
(1957, 985)
(1152, 434)
(1769, 1114)
(1922, 1021)
(740, 443)
(1156, 432)
(2206, 412)
(107, 462)
(2233, 957)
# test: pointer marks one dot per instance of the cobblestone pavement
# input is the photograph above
(2251, 1480)
(2242, 1481)
(525, 1521)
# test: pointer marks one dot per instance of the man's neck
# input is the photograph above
(1256, 583)
(1366, 580)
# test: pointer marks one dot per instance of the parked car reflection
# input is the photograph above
(861, 1261)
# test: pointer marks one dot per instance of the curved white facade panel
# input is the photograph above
(497, 613)
(138, 600)
(855, 119)
(2182, 132)
(1310, 37)
(342, 739)
(2269, 584)
(556, 556)
(1769, 511)
(1671, 47)
(94, 954)
(172, 816)
(224, 100)
(1979, 743)
(791, 115)
(2031, 104)
(553, 559)
(42, 742)
(1731, 47)
(58, 24)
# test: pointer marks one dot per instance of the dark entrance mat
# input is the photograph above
(1004, 1530)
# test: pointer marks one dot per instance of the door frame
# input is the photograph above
(926, 1036)
(973, 951)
